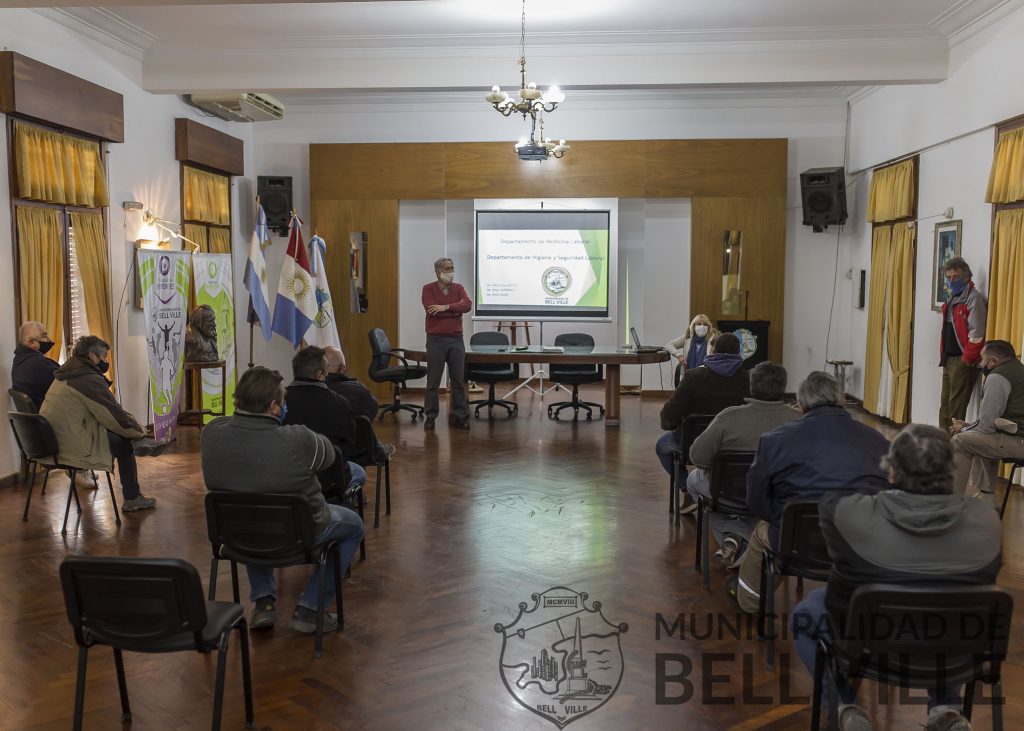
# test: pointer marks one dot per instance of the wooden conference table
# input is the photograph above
(612, 358)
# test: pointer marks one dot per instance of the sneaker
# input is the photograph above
(147, 447)
(263, 614)
(689, 505)
(727, 553)
(428, 423)
(85, 480)
(946, 719)
(462, 423)
(853, 718)
(139, 503)
(304, 620)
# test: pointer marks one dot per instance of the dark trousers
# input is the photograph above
(127, 471)
(958, 381)
(450, 350)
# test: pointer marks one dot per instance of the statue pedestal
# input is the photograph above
(193, 387)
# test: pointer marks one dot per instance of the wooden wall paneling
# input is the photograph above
(201, 145)
(32, 89)
(763, 223)
(729, 168)
(335, 219)
(376, 172)
(590, 169)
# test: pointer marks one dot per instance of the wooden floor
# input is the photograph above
(482, 520)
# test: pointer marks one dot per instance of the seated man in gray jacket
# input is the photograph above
(251, 452)
(917, 531)
(739, 429)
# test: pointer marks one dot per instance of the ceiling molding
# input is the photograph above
(103, 26)
(967, 18)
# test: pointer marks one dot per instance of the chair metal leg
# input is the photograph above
(113, 499)
(997, 705)
(800, 586)
(768, 602)
(213, 579)
(234, 583)
(243, 640)
(67, 508)
(387, 486)
(376, 502)
(672, 488)
(819, 671)
(28, 496)
(318, 643)
(83, 656)
(676, 497)
(46, 478)
(969, 690)
(1009, 489)
(360, 501)
(700, 526)
(705, 547)
(337, 590)
(833, 703)
(122, 686)
(218, 693)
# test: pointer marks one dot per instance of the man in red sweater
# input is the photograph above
(445, 302)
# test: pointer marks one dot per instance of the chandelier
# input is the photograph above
(539, 150)
(531, 101)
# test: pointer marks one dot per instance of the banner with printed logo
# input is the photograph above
(166, 277)
(213, 288)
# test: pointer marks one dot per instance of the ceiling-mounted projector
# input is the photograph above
(532, 151)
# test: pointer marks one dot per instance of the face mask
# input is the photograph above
(44, 346)
(956, 286)
(284, 413)
(701, 330)
(447, 277)
(103, 366)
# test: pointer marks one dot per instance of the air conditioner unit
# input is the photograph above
(246, 107)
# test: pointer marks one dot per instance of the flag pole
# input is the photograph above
(252, 323)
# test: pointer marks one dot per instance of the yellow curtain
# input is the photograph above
(58, 168)
(1006, 180)
(94, 268)
(207, 197)
(892, 192)
(1006, 290)
(900, 317)
(41, 267)
(197, 233)
(880, 246)
(220, 241)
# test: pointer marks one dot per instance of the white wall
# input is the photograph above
(142, 169)
(984, 87)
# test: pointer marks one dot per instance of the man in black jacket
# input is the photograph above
(822, 451)
(917, 531)
(32, 372)
(359, 396)
(312, 404)
(719, 383)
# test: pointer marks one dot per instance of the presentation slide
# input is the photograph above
(542, 264)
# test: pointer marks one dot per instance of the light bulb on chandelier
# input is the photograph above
(531, 100)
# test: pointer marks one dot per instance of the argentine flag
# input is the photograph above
(324, 331)
(256, 273)
(295, 308)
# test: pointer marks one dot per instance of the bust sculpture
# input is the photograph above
(201, 336)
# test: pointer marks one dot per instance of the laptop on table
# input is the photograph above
(642, 348)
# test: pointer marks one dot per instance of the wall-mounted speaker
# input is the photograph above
(823, 191)
(275, 192)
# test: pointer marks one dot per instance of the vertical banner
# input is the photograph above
(165, 279)
(213, 288)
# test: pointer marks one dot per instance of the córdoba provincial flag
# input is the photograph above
(295, 308)
(255, 279)
(324, 330)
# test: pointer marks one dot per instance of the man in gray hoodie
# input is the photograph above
(917, 531)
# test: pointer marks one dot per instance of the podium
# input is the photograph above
(753, 335)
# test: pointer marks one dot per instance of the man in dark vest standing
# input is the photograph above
(998, 432)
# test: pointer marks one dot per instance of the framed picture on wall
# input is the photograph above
(947, 245)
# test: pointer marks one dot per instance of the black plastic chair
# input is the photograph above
(368, 451)
(802, 553)
(976, 623)
(1016, 464)
(273, 531)
(23, 404)
(575, 375)
(38, 444)
(152, 605)
(728, 488)
(491, 374)
(691, 428)
(381, 372)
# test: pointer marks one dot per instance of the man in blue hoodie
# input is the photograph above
(718, 384)
(823, 451)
